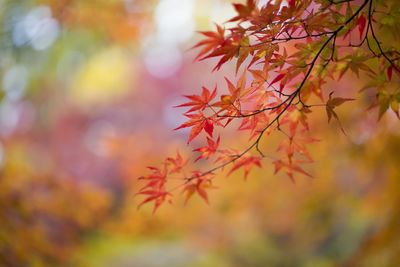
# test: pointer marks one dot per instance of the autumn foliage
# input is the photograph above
(285, 53)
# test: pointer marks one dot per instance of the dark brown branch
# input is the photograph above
(376, 39)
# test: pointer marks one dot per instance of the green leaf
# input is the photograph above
(384, 102)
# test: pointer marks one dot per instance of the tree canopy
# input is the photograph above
(290, 59)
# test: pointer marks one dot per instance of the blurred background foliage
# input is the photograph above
(87, 89)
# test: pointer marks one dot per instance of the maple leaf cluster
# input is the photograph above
(285, 52)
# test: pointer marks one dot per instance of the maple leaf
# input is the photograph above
(355, 62)
(228, 51)
(246, 162)
(277, 78)
(226, 155)
(199, 102)
(290, 168)
(394, 105)
(320, 50)
(330, 106)
(361, 22)
(156, 179)
(383, 102)
(254, 123)
(244, 51)
(154, 189)
(178, 163)
(198, 122)
(260, 76)
(228, 101)
(209, 150)
(199, 184)
(159, 197)
(211, 42)
(244, 11)
(298, 117)
(297, 145)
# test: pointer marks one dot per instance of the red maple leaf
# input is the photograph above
(177, 163)
(207, 151)
(156, 179)
(244, 11)
(198, 122)
(158, 197)
(361, 22)
(211, 42)
(199, 102)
